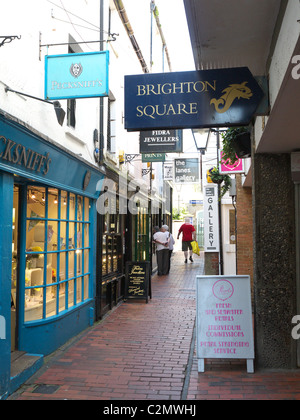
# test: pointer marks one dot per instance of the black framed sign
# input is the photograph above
(137, 282)
(187, 171)
(161, 141)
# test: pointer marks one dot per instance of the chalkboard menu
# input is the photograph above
(137, 280)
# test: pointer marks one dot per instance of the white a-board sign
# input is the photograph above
(224, 319)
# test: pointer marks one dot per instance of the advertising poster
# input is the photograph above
(224, 319)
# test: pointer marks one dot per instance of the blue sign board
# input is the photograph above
(196, 99)
(71, 76)
(28, 155)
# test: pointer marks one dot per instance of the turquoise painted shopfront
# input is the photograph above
(47, 244)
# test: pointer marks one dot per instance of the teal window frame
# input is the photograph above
(84, 247)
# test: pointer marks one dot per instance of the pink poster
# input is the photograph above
(227, 168)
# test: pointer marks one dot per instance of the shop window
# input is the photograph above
(142, 251)
(112, 242)
(111, 124)
(57, 275)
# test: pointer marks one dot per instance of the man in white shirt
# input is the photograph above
(171, 244)
(161, 239)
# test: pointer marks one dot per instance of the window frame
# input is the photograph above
(86, 220)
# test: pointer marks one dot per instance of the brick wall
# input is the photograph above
(211, 263)
(244, 229)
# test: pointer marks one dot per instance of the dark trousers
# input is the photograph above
(170, 256)
(163, 262)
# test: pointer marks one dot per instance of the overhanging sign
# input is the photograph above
(226, 167)
(72, 76)
(153, 157)
(161, 141)
(187, 171)
(197, 99)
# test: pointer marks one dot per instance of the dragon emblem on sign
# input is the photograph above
(233, 92)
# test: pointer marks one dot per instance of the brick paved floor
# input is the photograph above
(140, 351)
(146, 352)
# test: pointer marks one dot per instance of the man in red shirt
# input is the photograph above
(188, 235)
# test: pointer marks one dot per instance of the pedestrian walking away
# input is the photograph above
(188, 235)
(161, 239)
(171, 245)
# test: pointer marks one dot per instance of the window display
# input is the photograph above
(112, 242)
(57, 273)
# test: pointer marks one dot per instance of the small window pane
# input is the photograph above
(86, 209)
(53, 204)
(63, 205)
(72, 207)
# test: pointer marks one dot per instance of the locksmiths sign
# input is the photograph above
(70, 76)
(197, 99)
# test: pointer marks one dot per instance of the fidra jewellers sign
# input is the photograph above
(197, 99)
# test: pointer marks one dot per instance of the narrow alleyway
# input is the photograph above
(146, 352)
(140, 351)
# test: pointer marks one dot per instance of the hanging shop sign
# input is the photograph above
(211, 219)
(168, 172)
(71, 76)
(187, 171)
(224, 319)
(226, 167)
(196, 99)
(161, 141)
(137, 281)
(153, 157)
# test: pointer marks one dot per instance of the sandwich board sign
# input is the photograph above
(224, 320)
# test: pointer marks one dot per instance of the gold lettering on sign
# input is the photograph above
(20, 155)
(176, 88)
(154, 111)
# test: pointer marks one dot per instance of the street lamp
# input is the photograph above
(60, 113)
(201, 137)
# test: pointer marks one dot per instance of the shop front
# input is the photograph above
(111, 248)
(47, 223)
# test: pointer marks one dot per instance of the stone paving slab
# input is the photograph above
(147, 352)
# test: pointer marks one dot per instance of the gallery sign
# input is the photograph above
(187, 171)
(211, 219)
(224, 319)
(195, 99)
(70, 76)
(161, 141)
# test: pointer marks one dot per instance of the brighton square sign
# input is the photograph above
(196, 99)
